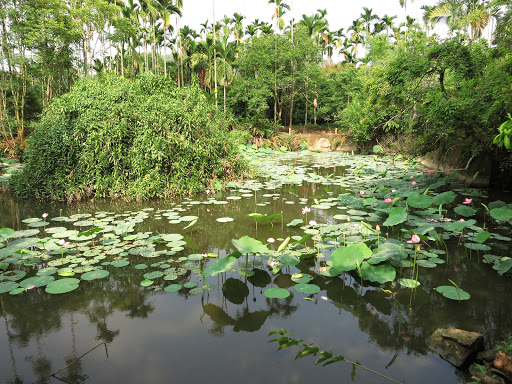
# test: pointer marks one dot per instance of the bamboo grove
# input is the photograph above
(265, 73)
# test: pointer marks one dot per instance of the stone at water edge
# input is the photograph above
(323, 144)
(456, 345)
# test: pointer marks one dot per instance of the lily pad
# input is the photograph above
(146, 283)
(346, 258)
(409, 283)
(464, 210)
(38, 281)
(247, 245)
(173, 288)
(501, 214)
(396, 216)
(381, 273)
(7, 286)
(307, 288)
(276, 293)
(416, 200)
(62, 286)
(94, 275)
(453, 293)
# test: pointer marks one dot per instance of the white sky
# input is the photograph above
(340, 13)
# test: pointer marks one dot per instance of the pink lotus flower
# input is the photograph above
(361, 192)
(312, 222)
(270, 240)
(461, 220)
(44, 215)
(306, 210)
(467, 201)
(62, 242)
(414, 240)
(413, 183)
(377, 227)
(430, 171)
(412, 177)
(31, 286)
(388, 200)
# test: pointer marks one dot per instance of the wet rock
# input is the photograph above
(456, 345)
(323, 144)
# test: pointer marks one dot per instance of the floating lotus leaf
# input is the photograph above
(388, 250)
(94, 275)
(501, 214)
(444, 198)
(39, 224)
(14, 275)
(31, 220)
(396, 216)
(276, 293)
(300, 278)
(224, 219)
(346, 258)
(17, 291)
(62, 286)
(246, 245)
(120, 263)
(6, 233)
(409, 283)
(308, 289)
(146, 283)
(141, 266)
(288, 260)
(452, 293)
(477, 247)
(38, 281)
(25, 233)
(171, 276)
(171, 237)
(173, 288)
(459, 225)
(190, 284)
(195, 257)
(7, 286)
(153, 275)
(416, 200)
(464, 210)
(381, 273)
(426, 263)
(188, 218)
(504, 265)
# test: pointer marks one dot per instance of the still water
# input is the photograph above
(221, 335)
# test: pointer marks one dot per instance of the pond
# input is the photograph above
(345, 252)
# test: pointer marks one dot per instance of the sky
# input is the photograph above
(340, 13)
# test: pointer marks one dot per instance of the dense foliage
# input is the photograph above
(142, 138)
(396, 83)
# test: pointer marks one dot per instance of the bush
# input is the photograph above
(138, 139)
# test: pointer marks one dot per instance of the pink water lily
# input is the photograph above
(388, 200)
(306, 210)
(44, 215)
(414, 240)
(361, 192)
(467, 201)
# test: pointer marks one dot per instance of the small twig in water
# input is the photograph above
(74, 361)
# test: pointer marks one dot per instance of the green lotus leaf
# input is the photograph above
(295, 222)
(346, 258)
(146, 283)
(396, 216)
(276, 293)
(38, 281)
(190, 284)
(477, 247)
(247, 245)
(94, 275)
(444, 198)
(288, 260)
(7, 286)
(464, 210)
(409, 283)
(482, 237)
(452, 293)
(120, 263)
(501, 214)
(307, 288)
(416, 200)
(17, 291)
(173, 288)
(504, 265)
(378, 273)
(457, 226)
(153, 275)
(62, 286)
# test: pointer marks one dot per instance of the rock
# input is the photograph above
(323, 144)
(456, 345)
(503, 363)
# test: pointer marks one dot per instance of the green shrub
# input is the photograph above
(138, 139)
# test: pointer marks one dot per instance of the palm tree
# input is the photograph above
(367, 19)
(226, 56)
(279, 12)
(166, 9)
(238, 29)
(388, 22)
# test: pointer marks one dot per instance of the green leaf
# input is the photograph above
(246, 245)
(416, 200)
(460, 225)
(294, 222)
(396, 216)
(409, 283)
(307, 288)
(7, 286)
(452, 293)
(276, 293)
(38, 281)
(288, 260)
(94, 275)
(146, 283)
(465, 211)
(501, 214)
(219, 266)
(62, 286)
(346, 258)
(444, 198)
(173, 288)
(482, 237)
(503, 266)
(378, 273)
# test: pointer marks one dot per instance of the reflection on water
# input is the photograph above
(220, 335)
